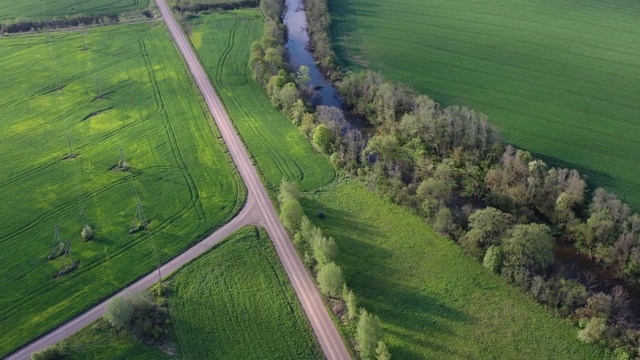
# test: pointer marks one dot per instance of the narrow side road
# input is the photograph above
(258, 210)
(325, 331)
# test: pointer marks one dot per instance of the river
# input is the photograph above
(298, 41)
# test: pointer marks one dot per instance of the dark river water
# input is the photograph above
(296, 21)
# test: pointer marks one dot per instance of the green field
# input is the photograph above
(129, 88)
(434, 302)
(45, 9)
(234, 302)
(222, 42)
(560, 78)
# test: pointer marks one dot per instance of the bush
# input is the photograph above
(119, 312)
(87, 233)
(493, 258)
(291, 214)
(593, 331)
(330, 279)
(56, 352)
(368, 334)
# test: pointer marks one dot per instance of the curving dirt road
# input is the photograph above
(258, 210)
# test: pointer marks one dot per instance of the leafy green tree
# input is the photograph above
(324, 250)
(593, 331)
(330, 279)
(487, 227)
(291, 214)
(368, 334)
(119, 312)
(352, 303)
(529, 247)
(382, 352)
(322, 139)
(288, 190)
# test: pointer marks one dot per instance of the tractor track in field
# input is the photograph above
(258, 210)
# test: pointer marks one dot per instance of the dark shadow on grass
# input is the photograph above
(380, 288)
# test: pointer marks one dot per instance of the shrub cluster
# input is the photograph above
(146, 318)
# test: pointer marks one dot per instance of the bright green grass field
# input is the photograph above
(150, 107)
(222, 42)
(560, 78)
(434, 302)
(44, 9)
(234, 302)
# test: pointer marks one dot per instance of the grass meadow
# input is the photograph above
(234, 302)
(223, 41)
(129, 88)
(41, 9)
(559, 78)
(434, 302)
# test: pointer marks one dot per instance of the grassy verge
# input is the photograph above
(128, 88)
(433, 301)
(222, 42)
(559, 79)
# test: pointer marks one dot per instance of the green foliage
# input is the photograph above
(119, 312)
(87, 233)
(493, 64)
(290, 214)
(413, 278)
(493, 258)
(55, 352)
(382, 352)
(185, 181)
(368, 334)
(330, 279)
(593, 331)
(279, 149)
(486, 227)
(322, 139)
(352, 303)
(288, 191)
(324, 250)
(528, 247)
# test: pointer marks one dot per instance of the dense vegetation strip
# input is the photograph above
(222, 41)
(70, 102)
(560, 79)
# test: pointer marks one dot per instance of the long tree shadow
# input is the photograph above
(407, 312)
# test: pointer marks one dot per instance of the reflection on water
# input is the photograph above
(296, 21)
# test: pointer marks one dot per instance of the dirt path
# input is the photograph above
(258, 210)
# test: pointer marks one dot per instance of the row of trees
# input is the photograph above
(448, 164)
(319, 254)
(24, 25)
(194, 7)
